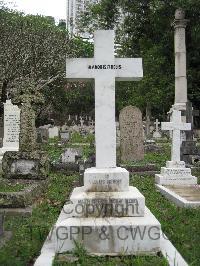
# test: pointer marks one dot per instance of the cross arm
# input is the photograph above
(77, 69)
(130, 69)
(176, 126)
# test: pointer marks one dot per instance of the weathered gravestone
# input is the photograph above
(71, 155)
(131, 132)
(65, 135)
(106, 185)
(11, 128)
(28, 162)
(53, 132)
(43, 133)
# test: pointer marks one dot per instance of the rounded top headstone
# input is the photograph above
(180, 14)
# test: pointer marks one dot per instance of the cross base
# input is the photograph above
(109, 236)
(175, 173)
(106, 179)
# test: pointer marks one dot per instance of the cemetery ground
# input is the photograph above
(29, 233)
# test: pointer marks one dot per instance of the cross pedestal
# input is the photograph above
(102, 213)
(175, 171)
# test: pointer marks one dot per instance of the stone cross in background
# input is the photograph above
(157, 123)
(69, 117)
(82, 121)
(157, 134)
(105, 69)
(176, 125)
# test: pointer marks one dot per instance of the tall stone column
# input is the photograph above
(180, 24)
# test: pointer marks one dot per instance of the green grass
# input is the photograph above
(179, 224)
(5, 187)
(54, 150)
(77, 138)
(30, 233)
(157, 158)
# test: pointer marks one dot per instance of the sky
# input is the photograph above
(55, 8)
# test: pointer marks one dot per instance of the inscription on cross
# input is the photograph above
(105, 69)
(176, 126)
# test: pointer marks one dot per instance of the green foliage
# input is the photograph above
(179, 224)
(9, 187)
(144, 30)
(30, 233)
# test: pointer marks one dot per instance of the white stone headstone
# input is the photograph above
(106, 185)
(11, 127)
(53, 132)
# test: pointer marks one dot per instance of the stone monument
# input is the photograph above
(106, 186)
(156, 134)
(28, 162)
(175, 172)
(131, 134)
(11, 128)
(180, 24)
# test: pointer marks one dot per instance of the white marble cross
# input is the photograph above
(105, 69)
(157, 123)
(176, 125)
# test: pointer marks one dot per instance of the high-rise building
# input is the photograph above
(74, 11)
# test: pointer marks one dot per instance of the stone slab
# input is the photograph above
(107, 179)
(24, 167)
(190, 193)
(106, 204)
(175, 180)
(177, 199)
(23, 198)
(24, 212)
(125, 235)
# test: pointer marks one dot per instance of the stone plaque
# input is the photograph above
(11, 125)
(24, 167)
(65, 135)
(131, 130)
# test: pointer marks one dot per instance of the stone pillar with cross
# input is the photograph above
(180, 24)
(106, 185)
(175, 171)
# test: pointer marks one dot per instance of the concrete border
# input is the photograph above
(178, 200)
